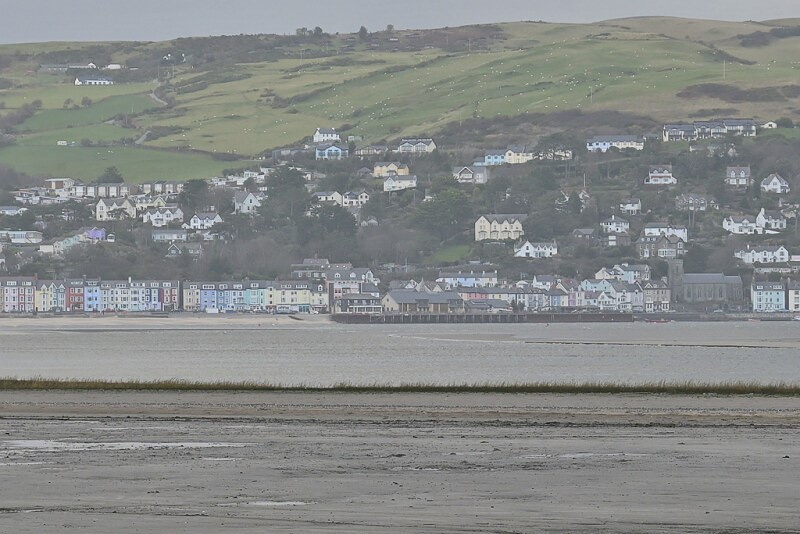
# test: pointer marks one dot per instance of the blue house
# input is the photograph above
(494, 157)
(768, 296)
(92, 296)
(331, 151)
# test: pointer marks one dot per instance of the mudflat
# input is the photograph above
(397, 462)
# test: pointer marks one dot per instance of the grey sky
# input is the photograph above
(99, 20)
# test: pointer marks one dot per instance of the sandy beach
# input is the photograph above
(336, 462)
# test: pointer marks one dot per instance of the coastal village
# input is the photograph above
(472, 287)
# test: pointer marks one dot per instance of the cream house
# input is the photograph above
(498, 226)
(382, 169)
(108, 209)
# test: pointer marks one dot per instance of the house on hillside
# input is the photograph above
(660, 246)
(382, 169)
(774, 183)
(371, 150)
(615, 225)
(665, 228)
(109, 209)
(660, 175)
(423, 145)
(492, 158)
(763, 254)
(399, 183)
(93, 80)
(694, 202)
(604, 143)
(471, 175)
(331, 151)
(738, 178)
(499, 227)
(771, 220)
(325, 135)
(159, 217)
(245, 202)
(742, 225)
(517, 155)
(203, 221)
(630, 206)
(355, 198)
(536, 250)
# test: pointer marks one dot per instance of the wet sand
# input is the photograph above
(331, 462)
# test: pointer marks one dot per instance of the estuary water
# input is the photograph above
(320, 353)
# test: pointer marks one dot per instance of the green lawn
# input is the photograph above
(135, 164)
(98, 112)
(452, 254)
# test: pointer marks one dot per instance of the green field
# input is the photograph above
(135, 164)
(637, 65)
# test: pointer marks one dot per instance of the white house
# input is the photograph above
(763, 254)
(12, 210)
(471, 175)
(771, 220)
(399, 183)
(245, 202)
(325, 135)
(536, 250)
(615, 225)
(660, 175)
(169, 235)
(667, 229)
(355, 198)
(603, 143)
(416, 146)
(160, 217)
(694, 202)
(203, 221)
(93, 80)
(327, 197)
(738, 177)
(774, 183)
(793, 296)
(108, 209)
(499, 226)
(742, 225)
(630, 206)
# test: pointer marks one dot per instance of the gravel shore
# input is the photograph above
(337, 462)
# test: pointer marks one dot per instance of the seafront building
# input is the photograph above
(321, 287)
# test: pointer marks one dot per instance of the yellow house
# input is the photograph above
(499, 226)
(191, 296)
(50, 296)
(383, 169)
(516, 155)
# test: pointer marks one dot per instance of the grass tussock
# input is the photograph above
(660, 388)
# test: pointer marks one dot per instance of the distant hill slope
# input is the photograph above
(242, 95)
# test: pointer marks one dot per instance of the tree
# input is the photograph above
(318, 32)
(110, 176)
(86, 101)
(67, 103)
(445, 215)
(363, 33)
(390, 28)
(194, 196)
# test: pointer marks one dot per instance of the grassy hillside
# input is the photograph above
(273, 91)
